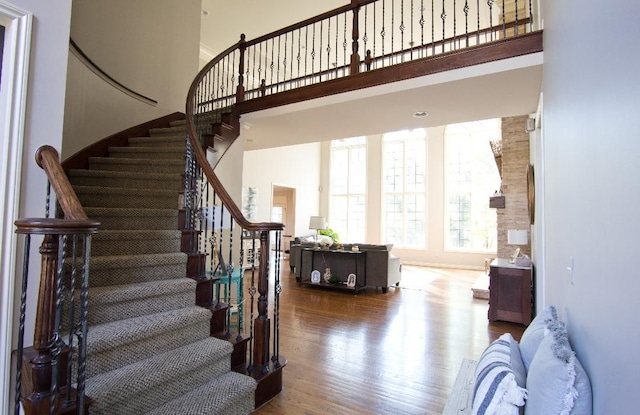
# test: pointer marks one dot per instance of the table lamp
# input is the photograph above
(317, 223)
(516, 237)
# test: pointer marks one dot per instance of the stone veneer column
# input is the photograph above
(515, 158)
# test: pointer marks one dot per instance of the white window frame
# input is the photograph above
(447, 242)
(404, 193)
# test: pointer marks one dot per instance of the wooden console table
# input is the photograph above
(510, 292)
(341, 262)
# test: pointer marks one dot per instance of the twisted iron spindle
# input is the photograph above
(23, 307)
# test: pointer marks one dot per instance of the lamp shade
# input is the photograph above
(317, 222)
(517, 237)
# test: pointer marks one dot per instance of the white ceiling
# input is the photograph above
(498, 89)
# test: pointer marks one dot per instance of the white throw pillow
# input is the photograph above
(496, 390)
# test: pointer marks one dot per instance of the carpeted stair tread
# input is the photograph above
(137, 164)
(134, 218)
(126, 197)
(114, 178)
(135, 242)
(179, 123)
(163, 376)
(115, 334)
(176, 140)
(128, 269)
(222, 396)
(112, 303)
(168, 131)
(158, 152)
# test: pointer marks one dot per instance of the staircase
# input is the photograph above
(149, 349)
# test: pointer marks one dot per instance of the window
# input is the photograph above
(471, 177)
(403, 206)
(348, 183)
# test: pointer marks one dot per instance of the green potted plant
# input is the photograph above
(331, 234)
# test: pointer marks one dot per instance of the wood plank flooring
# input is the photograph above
(375, 353)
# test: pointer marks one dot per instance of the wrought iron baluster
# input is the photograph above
(443, 16)
(375, 32)
(306, 54)
(490, 3)
(84, 312)
(291, 69)
(278, 65)
(344, 45)
(504, 22)
(393, 31)
(478, 17)
(71, 318)
(454, 25)
(516, 24)
(466, 22)
(411, 42)
(321, 37)
(271, 65)
(433, 29)
(530, 16)
(276, 301)
(55, 343)
(382, 32)
(328, 47)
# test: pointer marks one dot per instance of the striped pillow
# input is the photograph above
(496, 391)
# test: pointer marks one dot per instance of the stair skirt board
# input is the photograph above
(148, 345)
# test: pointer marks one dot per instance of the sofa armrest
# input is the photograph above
(394, 271)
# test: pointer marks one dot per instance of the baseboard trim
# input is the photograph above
(439, 265)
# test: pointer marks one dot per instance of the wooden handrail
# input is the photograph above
(47, 157)
(201, 156)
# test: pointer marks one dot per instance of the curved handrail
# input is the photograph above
(75, 49)
(201, 156)
(48, 159)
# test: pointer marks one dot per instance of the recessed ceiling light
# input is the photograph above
(420, 114)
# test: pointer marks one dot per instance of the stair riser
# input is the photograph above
(107, 200)
(136, 222)
(140, 402)
(106, 313)
(159, 167)
(134, 247)
(112, 359)
(151, 183)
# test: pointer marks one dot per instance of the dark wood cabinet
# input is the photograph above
(510, 292)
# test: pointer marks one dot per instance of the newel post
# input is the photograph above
(240, 90)
(354, 68)
(262, 322)
(39, 362)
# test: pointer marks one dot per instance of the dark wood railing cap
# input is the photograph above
(55, 226)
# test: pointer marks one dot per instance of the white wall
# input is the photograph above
(42, 125)
(294, 166)
(592, 191)
(149, 46)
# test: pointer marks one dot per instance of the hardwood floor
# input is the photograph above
(375, 353)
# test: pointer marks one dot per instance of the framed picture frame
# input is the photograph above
(351, 280)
